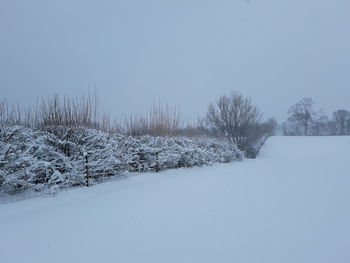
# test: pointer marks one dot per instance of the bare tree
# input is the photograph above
(319, 123)
(162, 120)
(301, 114)
(342, 117)
(235, 118)
(135, 125)
(56, 111)
(269, 127)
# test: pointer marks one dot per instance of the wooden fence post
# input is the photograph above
(85, 154)
(157, 163)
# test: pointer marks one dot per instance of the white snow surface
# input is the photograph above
(289, 205)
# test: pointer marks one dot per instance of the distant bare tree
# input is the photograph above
(301, 114)
(56, 111)
(234, 117)
(319, 123)
(135, 125)
(10, 114)
(162, 120)
(269, 127)
(342, 117)
(196, 129)
(332, 128)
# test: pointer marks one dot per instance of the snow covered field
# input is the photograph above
(292, 204)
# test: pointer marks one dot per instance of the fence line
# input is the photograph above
(89, 178)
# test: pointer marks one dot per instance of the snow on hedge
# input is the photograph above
(61, 157)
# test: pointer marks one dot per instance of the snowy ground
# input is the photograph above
(290, 205)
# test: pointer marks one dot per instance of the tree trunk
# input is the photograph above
(306, 127)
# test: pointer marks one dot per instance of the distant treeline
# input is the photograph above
(304, 120)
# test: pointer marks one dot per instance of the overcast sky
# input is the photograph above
(185, 52)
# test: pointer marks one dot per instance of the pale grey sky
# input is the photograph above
(185, 52)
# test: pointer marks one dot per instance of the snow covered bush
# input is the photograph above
(29, 159)
(56, 157)
(148, 153)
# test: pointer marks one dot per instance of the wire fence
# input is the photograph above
(44, 190)
(87, 177)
